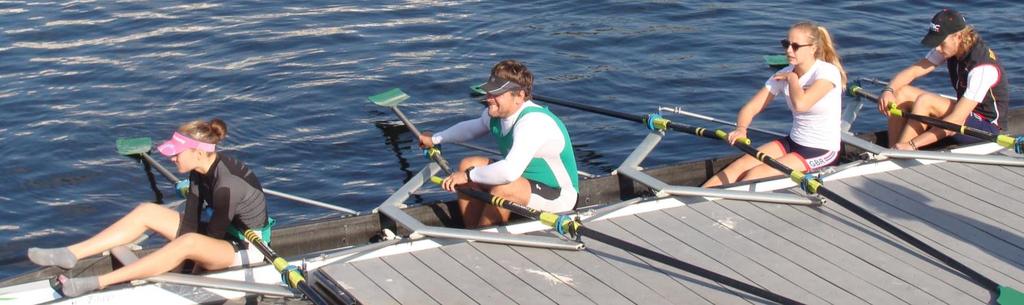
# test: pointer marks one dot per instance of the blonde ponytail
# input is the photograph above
(827, 52)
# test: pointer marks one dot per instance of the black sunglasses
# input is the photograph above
(786, 44)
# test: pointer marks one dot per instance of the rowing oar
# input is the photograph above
(812, 185)
(391, 99)
(653, 121)
(1011, 142)
(289, 274)
(679, 110)
(141, 146)
(574, 228)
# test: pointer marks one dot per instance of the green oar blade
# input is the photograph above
(776, 61)
(390, 98)
(134, 146)
(477, 90)
(1009, 296)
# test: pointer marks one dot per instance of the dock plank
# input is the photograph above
(574, 277)
(394, 283)
(714, 292)
(554, 286)
(939, 231)
(1002, 173)
(427, 280)
(359, 285)
(880, 254)
(878, 280)
(982, 185)
(819, 268)
(622, 282)
(665, 283)
(937, 193)
(719, 228)
(976, 212)
(751, 269)
(496, 275)
(465, 280)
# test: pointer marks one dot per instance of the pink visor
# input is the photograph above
(179, 143)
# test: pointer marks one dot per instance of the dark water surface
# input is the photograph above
(291, 78)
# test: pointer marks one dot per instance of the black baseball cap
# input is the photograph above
(946, 22)
(497, 85)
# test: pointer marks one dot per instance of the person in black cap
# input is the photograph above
(975, 73)
(539, 167)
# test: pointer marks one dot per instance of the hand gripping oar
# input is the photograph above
(291, 275)
(141, 146)
(1011, 142)
(565, 225)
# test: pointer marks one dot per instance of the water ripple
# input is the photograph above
(111, 41)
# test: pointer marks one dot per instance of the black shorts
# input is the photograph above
(813, 158)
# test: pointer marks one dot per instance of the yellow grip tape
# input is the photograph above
(548, 219)
(661, 123)
(893, 110)
(1005, 141)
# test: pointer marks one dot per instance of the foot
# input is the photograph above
(73, 287)
(60, 257)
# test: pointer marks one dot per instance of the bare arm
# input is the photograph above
(746, 115)
(901, 79)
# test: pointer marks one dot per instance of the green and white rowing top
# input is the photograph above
(540, 169)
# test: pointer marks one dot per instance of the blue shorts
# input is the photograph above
(813, 158)
(976, 121)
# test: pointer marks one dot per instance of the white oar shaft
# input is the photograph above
(679, 110)
(174, 179)
(309, 201)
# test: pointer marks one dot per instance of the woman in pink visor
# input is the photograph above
(221, 187)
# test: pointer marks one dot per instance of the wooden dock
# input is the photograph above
(817, 255)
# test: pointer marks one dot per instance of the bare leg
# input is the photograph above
(736, 170)
(210, 253)
(905, 98)
(146, 216)
(469, 208)
(927, 104)
(517, 191)
(790, 160)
